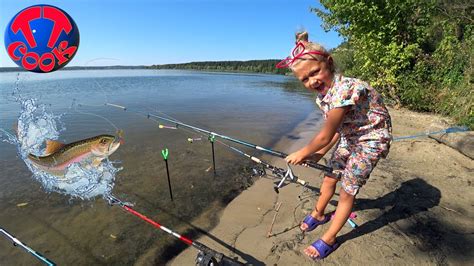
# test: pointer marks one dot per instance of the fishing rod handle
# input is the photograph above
(318, 166)
(308, 163)
(301, 181)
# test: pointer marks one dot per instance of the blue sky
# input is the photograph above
(146, 32)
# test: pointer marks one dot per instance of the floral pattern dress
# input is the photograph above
(366, 131)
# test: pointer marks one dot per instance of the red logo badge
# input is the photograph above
(42, 38)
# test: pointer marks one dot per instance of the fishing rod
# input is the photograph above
(443, 131)
(241, 142)
(279, 172)
(18, 243)
(206, 255)
(267, 150)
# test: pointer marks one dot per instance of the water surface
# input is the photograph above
(257, 108)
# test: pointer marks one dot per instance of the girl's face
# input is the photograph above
(315, 75)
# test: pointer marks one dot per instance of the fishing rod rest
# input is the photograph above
(289, 174)
(212, 139)
(165, 154)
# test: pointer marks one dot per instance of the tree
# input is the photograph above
(417, 53)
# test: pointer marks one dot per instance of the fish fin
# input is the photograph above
(53, 146)
(96, 162)
(33, 157)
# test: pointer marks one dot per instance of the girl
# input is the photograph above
(355, 118)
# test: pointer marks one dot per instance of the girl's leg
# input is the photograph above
(343, 210)
(327, 191)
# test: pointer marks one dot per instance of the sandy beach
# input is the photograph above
(416, 209)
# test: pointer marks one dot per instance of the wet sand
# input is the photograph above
(89, 232)
(417, 207)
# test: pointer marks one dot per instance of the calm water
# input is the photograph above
(257, 108)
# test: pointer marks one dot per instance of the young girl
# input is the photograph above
(355, 118)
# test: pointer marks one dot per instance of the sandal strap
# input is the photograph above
(312, 222)
(323, 248)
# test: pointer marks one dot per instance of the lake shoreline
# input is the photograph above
(243, 106)
(422, 211)
(210, 217)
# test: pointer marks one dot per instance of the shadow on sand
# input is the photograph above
(413, 200)
(194, 232)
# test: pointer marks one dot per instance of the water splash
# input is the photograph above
(36, 125)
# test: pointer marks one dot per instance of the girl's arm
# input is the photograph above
(315, 157)
(319, 154)
(322, 140)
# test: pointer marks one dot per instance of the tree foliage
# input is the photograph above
(417, 53)
(256, 66)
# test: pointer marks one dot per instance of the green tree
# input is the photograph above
(417, 53)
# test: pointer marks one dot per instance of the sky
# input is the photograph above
(147, 32)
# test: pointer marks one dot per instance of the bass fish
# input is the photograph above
(58, 156)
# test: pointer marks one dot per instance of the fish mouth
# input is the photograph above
(118, 139)
(115, 145)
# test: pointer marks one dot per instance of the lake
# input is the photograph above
(256, 108)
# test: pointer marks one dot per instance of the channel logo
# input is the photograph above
(42, 38)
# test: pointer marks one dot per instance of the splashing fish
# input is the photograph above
(59, 156)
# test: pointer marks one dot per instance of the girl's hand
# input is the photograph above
(296, 157)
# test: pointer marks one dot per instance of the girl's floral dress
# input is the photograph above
(366, 130)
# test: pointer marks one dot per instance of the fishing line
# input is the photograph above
(103, 92)
(275, 170)
(102, 89)
(200, 134)
(245, 143)
(443, 131)
(92, 114)
(279, 172)
(95, 79)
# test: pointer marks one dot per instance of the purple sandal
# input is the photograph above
(324, 248)
(313, 222)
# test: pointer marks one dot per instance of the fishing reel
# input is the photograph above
(205, 259)
(256, 171)
(209, 259)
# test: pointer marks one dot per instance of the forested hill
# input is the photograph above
(255, 66)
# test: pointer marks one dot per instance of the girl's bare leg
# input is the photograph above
(343, 210)
(327, 191)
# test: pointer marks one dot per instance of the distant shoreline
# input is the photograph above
(18, 69)
(251, 66)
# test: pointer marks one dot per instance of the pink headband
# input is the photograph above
(297, 52)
